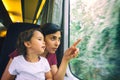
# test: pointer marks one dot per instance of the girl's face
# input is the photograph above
(52, 42)
(37, 44)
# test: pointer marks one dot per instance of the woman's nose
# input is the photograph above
(57, 43)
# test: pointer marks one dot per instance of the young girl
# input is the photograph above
(52, 33)
(30, 65)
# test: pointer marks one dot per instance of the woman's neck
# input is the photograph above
(45, 53)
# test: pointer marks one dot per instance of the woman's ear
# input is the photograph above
(27, 43)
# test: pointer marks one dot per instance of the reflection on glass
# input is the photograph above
(97, 22)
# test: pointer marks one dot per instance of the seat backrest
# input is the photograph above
(1, 42)
(10, 42)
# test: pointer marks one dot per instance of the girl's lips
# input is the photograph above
(43, 47)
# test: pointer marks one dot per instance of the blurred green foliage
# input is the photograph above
(97, 23)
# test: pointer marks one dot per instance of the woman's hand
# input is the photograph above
(72, 52)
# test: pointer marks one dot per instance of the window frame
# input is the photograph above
(66, 38)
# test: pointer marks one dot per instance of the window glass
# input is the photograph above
(97, 23)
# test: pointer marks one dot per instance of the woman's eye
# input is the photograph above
(52, 39)
(59, 39)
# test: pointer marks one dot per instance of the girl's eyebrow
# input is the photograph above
(37, 36)
(40, 37)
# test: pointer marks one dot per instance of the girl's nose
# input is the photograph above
(43, 42)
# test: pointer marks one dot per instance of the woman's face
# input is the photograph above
(52, 42)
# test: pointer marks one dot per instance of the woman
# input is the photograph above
(52, 35)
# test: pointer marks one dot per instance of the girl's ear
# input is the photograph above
(27, 43)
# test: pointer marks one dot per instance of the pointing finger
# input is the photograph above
(76, 43)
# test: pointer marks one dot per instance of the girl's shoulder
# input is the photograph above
(43, 58)
(19, 57)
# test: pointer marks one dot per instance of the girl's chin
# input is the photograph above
(41, 52)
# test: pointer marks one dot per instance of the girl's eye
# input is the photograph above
(40, 39)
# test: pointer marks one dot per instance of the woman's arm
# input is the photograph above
(70, 53)
(59, 73)
(6, 75)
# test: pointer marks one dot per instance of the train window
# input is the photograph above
(96, 22)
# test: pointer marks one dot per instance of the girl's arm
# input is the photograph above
(6, 75)
(70, 53)
(48, 76)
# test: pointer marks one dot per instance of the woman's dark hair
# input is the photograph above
(23, 37)
(50, 28)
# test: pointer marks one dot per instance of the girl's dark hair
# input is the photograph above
(50, 28)
(25, 36)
